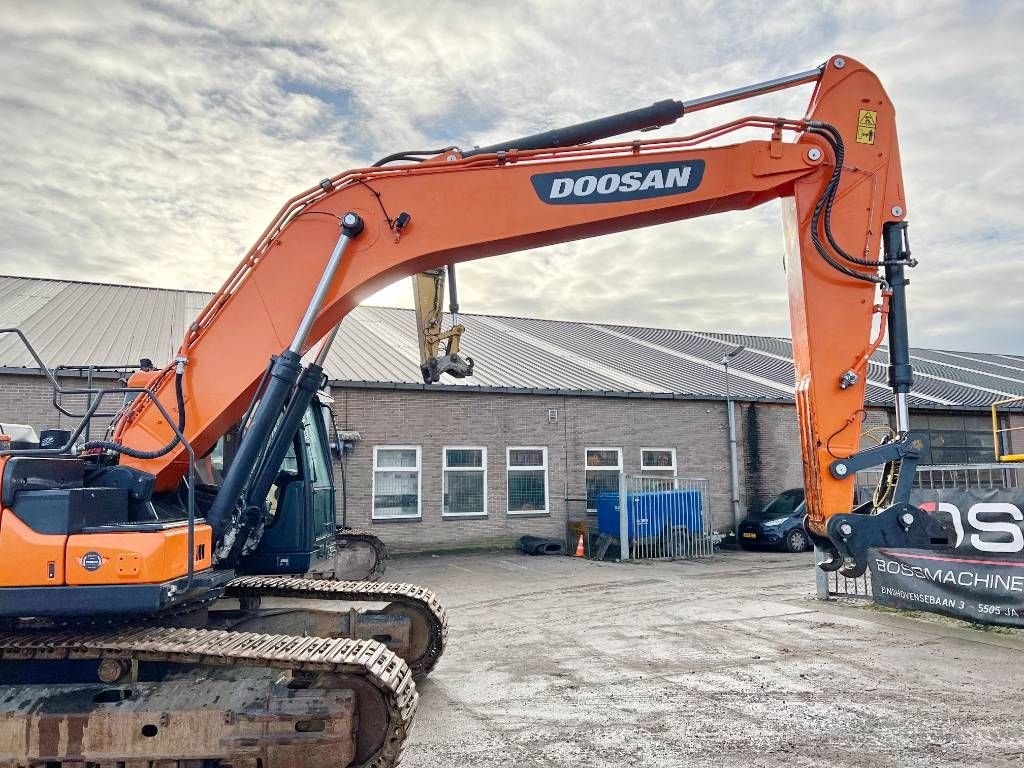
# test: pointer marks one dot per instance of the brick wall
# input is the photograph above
(769, 440)
(767, 434)
(432, 420)
(27, 399)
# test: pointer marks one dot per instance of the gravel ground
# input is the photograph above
(554, 661)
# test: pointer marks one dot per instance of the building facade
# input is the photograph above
(554, 413)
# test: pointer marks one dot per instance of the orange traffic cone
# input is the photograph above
(579, 547)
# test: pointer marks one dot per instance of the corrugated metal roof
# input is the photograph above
(76, 323)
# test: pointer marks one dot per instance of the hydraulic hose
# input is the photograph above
(824, 205)
(109, 445)
(415, 155)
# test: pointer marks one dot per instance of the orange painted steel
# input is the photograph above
(484, 205)
(152, 557)
(30, 559)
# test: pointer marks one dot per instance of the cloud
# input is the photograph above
(151, 143)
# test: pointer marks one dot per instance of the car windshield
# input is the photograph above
(783, 505)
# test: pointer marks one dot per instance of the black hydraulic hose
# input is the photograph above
(835, 140)
(824, 204)
(137, 454)
(839, 148)
(416, 155)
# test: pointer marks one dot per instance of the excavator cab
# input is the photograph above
(300, 506)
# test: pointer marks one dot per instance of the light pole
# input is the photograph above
(734, 470)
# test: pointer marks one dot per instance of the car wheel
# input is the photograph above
(796, 541)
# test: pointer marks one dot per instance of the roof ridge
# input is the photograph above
(106, 284)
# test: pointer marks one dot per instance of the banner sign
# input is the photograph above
(979, 578)
(988, 591)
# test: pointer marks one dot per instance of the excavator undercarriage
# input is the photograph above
(320, 687)
(202, 697)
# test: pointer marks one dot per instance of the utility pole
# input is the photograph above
(734, 470)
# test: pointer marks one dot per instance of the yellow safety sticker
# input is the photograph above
(866, 122)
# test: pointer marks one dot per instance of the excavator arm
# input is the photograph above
(428, 296)
(836, 171)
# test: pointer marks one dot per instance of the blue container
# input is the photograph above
(649, 514)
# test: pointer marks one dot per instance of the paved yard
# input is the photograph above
(562, 662)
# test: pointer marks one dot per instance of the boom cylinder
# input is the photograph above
(288, 426)
(227, 521)
(283, 375)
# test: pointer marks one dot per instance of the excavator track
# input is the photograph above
(417, 598)
(347, 536)
(367, 660)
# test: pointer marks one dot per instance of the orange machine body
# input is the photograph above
(465, 208)
(150, 555)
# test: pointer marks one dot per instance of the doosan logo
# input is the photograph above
(626, 182)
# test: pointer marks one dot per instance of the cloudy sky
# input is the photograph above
(151, 142)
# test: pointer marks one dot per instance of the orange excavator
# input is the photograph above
(133, 623)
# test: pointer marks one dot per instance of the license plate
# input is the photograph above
(749, 535)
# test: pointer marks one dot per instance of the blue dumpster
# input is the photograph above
(650, 513)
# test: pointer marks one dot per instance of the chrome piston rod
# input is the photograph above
(351, 226)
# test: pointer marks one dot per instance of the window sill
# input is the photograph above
(468, 516)
(404, 519)
(531, 513)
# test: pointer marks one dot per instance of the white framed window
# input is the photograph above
(527, 481)
(396, 482)
(662, 460)
(603, 466)
(464, 482)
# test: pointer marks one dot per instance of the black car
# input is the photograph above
(780, 525)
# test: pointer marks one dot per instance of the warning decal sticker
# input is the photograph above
(866, 121)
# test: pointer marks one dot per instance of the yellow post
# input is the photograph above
(996, 432)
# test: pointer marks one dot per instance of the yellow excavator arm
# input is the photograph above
(428, 292)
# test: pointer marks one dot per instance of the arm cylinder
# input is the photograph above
(901, 374)
(645, 119)
(659, 114)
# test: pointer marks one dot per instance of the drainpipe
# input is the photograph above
(734, 470)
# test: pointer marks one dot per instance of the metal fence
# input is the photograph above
(934, 477)
(669, 517)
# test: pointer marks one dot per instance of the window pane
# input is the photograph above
(317, 450)
(396, 457)
(290, 462)
(526, 457)
(947, 438)
(396, 494)
(463, 492)
(464, 457)
(600, 482)
(978, 423)
(949, 455)
(602, 457)
(980, 455)
(656, 458)
(526, 490)
(978, 439)
(945, 421)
